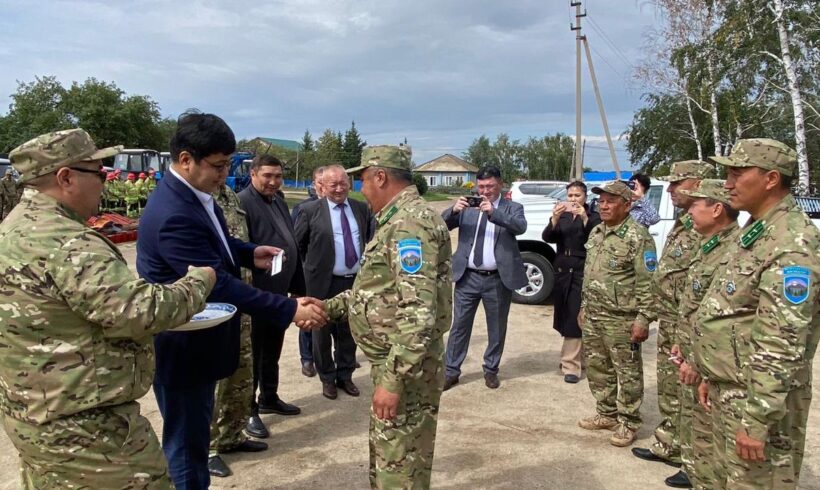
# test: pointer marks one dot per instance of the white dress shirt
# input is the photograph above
(207, 201)
(489, 243)
(339, 267)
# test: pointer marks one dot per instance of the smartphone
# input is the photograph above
(474, 201)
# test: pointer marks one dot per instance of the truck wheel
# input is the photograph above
(540, 277)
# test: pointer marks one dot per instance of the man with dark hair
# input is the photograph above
(757, 330)
(642, 211)
(269, 224)
(182, 225)
(487, 267)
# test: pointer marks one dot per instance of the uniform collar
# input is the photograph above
(404, 196)
(754, 229)
(619, 229)
(44, 201)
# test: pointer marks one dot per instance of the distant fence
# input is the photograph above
(304, 184)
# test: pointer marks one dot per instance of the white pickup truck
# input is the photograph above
(538, 255)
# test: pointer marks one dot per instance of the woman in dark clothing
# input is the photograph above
(569, 229)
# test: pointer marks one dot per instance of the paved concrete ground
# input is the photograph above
(521, 436)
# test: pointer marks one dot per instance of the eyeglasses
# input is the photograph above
(220, 167)
(100, 172)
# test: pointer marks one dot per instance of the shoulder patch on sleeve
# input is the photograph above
(796, 284)
(410, 258)
(650, 260)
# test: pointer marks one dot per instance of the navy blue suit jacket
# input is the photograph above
(175, 231)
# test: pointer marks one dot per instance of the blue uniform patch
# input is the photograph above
(410, 257)
(650, 260)
(796, 284)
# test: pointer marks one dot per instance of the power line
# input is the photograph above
(615, 49)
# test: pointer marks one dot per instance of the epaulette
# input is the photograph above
(621, 231)
(687, 222)
(389, 215)
(710, 245)
(748, 238)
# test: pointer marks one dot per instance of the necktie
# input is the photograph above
(478, 250)
(350, 249)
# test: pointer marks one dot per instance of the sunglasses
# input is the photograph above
(100, 172)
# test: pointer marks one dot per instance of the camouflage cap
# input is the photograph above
(690, 169)
(385, 156)
(763, 153)
(710, 189)
(616, 187)
(49, 152)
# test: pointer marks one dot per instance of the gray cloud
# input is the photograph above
(439, 73)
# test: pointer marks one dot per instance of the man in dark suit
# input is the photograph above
(331, 234)
(305, 337)
(182, 225)
(487, 267)
(269, 223)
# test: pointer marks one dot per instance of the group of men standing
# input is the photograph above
(89, 339)
(738, 321)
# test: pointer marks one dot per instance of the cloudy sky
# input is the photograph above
(439, 73)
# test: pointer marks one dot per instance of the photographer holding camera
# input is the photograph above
(487, 267)
(569, 229)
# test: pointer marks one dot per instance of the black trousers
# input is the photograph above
(267, 341)
(338, 365)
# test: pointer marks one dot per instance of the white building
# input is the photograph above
(447, 170)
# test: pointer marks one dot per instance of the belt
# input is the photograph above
(346, 276)
(483, 273)
(573, 253)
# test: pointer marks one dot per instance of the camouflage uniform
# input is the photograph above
(695, 423)
(76, 330)
(678, 251)
(232, 402)
(616, 293)
(8, 194)
(756, 333)
(399, 308)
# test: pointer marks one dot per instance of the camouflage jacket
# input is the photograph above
(235, 219)
(697, 281)
(678, 252)
(758, 323)
(401, 302)
(618, 273)
(75, 325)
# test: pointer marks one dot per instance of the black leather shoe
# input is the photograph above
(255, 428)
(570, 378)
(329, 390)
(678, 480)
(450, 381)
(247, 447)
(217, 467)
(648, 455)
(281, 408)
(308, 369)
(491, 380)
(347, 386)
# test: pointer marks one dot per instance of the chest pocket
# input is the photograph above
(616, 259)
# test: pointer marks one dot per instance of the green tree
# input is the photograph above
(352, 146)
(548, 158)
(480, 152)
(329, 148)
(35, 108)
(420, 182)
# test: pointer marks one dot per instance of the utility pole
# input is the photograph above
(578, 172)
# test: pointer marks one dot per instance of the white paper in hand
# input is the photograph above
(276, 264)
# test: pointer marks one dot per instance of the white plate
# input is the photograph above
(213, 315)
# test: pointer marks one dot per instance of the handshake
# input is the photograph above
(310, 313)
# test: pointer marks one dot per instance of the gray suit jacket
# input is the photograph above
(269, 223)
(314, 237)
(509, 221)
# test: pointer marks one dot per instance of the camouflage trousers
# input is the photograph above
(232, 401)
(112, 448)
(667, 433)
(401, 450)
(696, 451)
(615, 373)
(784, 445)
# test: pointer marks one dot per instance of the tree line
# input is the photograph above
(547, 158)
(720, 70)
